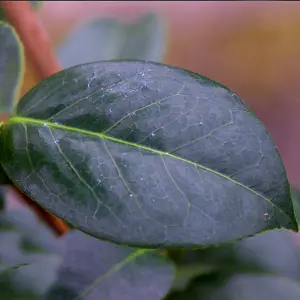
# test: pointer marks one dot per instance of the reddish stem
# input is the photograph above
(58, 226)
(33, 36)
(39, 51)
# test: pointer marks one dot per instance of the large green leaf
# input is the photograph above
(29, 256)
(11, 67)
(146, 154)
(106, 39)
(240, 287)
(94, 270)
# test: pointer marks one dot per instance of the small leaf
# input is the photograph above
(25, 242)
(94, 270)
(145, 154)
(11, 67)
(240, 287)
(106, 39)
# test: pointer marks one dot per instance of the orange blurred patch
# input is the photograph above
(31, 77)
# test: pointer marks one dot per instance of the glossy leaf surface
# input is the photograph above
(94, 270)
(11, 67)
(106, 39)
(146, 154)
(29, 256)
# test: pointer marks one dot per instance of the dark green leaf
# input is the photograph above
(25, 242)
(106, 39)
(146, 154)
(296, 201)
(2, 14)
(94, 270)
(11, 67)
(240, 287)
(184, 274)
(4, 180)
(2, 197)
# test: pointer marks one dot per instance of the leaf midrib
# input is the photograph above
(22, 120)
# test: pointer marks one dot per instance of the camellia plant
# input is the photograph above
(169, 186)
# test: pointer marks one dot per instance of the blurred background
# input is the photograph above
(252, 47)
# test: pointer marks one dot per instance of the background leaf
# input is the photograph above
(240, 287)
(26, 243)
(274, 252)
(107, 39)
(11, 67)
(94, 270)
(146, 154)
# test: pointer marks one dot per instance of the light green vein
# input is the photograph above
(102, 89)
(202, 137)
(98, 201)
(178, 189)
(139, 110)
(117, 267)
(143, 108)
(127, 185)
(21, 120)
